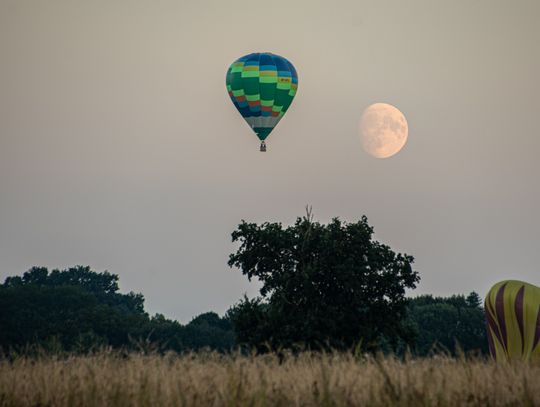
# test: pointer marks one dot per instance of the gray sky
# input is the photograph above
(120, 148)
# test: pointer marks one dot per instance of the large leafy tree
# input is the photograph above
(323, 286)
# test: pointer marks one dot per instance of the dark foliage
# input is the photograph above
(79, 310)
(448, 324)
(323, 286)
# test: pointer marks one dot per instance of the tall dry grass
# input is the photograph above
(306, 380)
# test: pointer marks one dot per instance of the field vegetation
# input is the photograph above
(305, 379)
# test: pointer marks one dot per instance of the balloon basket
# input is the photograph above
(263, 147)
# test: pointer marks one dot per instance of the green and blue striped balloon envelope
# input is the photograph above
(262, 86)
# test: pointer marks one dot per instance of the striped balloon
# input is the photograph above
(513, 320)
(262, 86)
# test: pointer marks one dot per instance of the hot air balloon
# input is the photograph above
(262, 87)
(513, 320)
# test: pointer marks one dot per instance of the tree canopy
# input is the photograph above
(323, 286)
(78, 309)
(448, 324)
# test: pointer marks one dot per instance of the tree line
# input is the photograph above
(81, 310)
(324, 287)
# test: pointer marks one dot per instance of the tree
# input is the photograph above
(448, 322)
(210, 331)
(78, 309)
(75, 306)
(323, 286)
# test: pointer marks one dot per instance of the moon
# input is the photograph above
(383, 129)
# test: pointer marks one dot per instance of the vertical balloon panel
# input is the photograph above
(513, 320)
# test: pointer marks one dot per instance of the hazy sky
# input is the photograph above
(120, 148)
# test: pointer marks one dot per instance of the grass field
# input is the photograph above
(307, 380)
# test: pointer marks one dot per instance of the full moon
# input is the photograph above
(383, 129)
